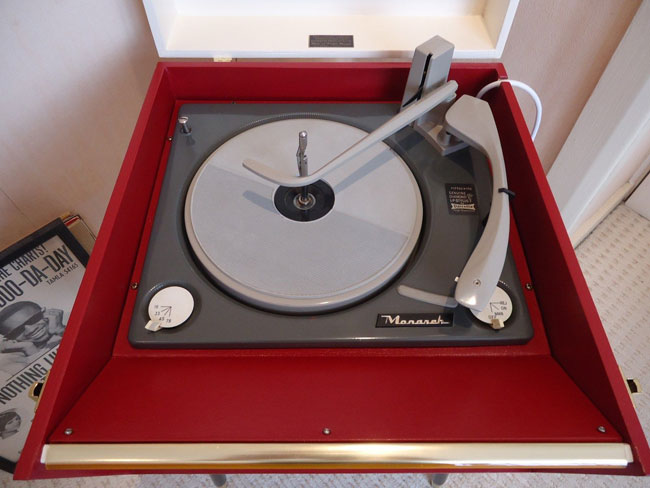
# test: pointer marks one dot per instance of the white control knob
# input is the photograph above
(169, 307)
(497, 311)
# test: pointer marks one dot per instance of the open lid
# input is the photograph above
(332, 29)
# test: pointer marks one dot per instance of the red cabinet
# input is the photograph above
(557, 403)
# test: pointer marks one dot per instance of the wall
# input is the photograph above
(639, 201)
(609, 144)
(560, 48)
(73, 75)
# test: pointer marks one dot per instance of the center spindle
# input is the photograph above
(304, 200)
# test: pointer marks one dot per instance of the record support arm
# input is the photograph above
(400, 120)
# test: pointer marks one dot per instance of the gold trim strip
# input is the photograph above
(335, 455)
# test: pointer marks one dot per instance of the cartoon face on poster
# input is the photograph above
(37, 290)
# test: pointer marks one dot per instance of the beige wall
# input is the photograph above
(73, 75)
(560, 48)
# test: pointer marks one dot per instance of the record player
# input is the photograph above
(324, 267)
(298, 225)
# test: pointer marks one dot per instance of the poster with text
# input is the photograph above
(39, 280)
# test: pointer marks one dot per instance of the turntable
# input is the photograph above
(292, 225)
(306, 261)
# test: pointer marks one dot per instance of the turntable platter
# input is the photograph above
(365, 223)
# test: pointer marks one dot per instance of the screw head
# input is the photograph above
(327, 431)
(477, 282)
(68, 431)
(601, 429)
(134, 286)
(529, 286)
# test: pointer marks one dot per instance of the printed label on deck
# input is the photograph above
(461, 199)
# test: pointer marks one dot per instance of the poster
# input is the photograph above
(39, 280)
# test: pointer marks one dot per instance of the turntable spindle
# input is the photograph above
(300, 154)
(304, 200)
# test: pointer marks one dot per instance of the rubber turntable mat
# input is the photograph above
(290, 265)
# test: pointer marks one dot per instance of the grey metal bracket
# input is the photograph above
(429, 70)
(437, 135)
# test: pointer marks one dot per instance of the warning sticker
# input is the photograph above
(461, 199)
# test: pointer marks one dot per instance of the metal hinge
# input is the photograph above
(36, 390)
(633, 386)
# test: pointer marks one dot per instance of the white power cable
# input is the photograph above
(527, 89)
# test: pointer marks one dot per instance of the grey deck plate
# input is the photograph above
(221, 321)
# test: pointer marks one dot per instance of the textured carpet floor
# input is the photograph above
(615, 260)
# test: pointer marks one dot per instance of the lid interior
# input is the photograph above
(282, 29)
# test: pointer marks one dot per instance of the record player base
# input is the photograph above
(561, 390)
